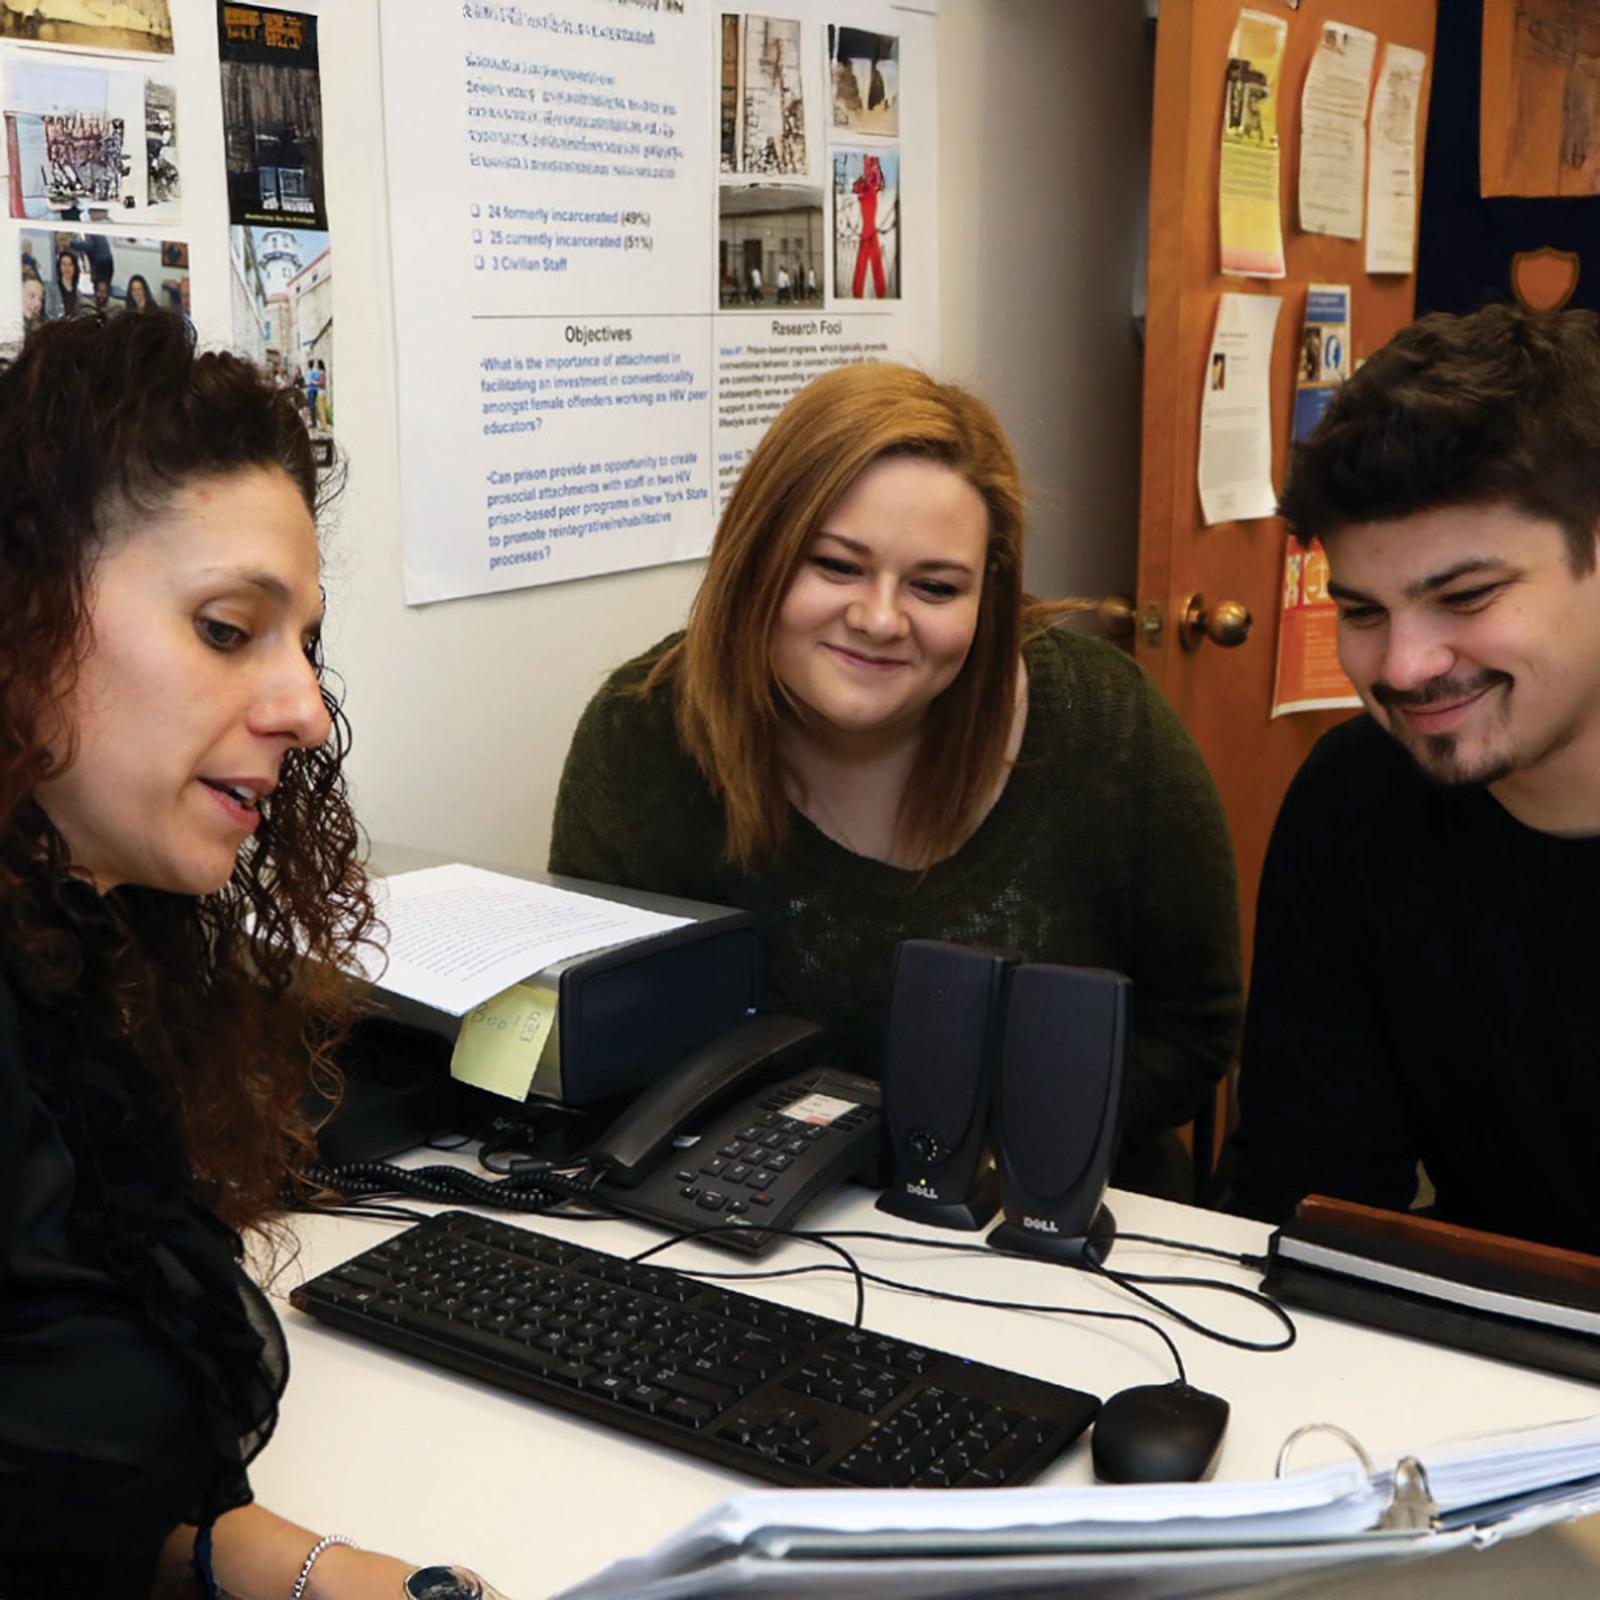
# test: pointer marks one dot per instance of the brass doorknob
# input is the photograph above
(1227, 623)
(1115, 616)
(1119, 616)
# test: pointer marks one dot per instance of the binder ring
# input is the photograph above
(1322, 1427)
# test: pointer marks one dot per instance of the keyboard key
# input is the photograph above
(696, 1413)
(646, 1396)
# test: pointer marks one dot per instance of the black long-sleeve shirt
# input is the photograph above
(139, 1369)
(1426, 986)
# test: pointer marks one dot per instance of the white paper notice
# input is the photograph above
(1333, 131)
(458, 935)
(623, 235)
(1392, 179)
(1236, 411)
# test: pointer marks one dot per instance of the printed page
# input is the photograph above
(625, 233)
(1249, 218)
(458, 935)
(1392, 185)
(1235, 468)
(1333, 131)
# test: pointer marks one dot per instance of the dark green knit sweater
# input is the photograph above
(1106, 848)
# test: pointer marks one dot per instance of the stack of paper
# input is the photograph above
(457, 935)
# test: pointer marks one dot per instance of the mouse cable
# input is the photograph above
(863, 1276)
(1122, 1279)
(851, 1265)
(1131, 1282)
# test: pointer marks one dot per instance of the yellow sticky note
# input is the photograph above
(501, 1041)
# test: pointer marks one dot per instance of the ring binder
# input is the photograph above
(1411, 1506)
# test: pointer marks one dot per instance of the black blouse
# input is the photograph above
(140, 1370)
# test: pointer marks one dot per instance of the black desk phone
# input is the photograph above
(683, 1158)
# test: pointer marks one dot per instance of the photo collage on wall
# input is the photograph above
(92, 163)
(91, 153)
(280, 264)
(775, 246)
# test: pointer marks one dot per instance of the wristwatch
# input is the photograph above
(448, 1583)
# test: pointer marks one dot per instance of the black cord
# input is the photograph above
(1194, 1249)
(1131, 1282)
(540, 1190)
(850, 1261)
(371, 1210)
(955, 1298)
(1123, 1279)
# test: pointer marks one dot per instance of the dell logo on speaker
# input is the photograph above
(922, 1191)
(1040, 1224)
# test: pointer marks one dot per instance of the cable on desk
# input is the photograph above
(1131, 1282)
(1252, 1263)
(537, 1189)
(863, 1277)
(851, 1264)
(1128, 1281)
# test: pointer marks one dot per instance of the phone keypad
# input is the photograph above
(746, 1167)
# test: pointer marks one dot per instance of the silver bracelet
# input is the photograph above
(311, 1560)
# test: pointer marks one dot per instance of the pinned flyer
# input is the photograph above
(1235, 468)
(1324, 361)
(1308, 675)
(1392, 186)
(1250, 223)
(501, 1041)
(1333, 130)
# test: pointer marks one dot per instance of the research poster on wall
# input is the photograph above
(624, 233)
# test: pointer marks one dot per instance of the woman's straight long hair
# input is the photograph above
(729, 704)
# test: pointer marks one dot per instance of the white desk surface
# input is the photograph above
(435, 1467)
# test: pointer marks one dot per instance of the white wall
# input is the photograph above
(463, 710)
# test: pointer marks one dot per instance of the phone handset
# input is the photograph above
(755, 1052)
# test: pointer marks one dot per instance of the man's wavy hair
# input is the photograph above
(1499, 407)
(100, 420)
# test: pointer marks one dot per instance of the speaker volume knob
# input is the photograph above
(925, 1146)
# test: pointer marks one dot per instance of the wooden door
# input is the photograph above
(1224, 695)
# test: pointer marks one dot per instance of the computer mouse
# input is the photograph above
(1158, 1433)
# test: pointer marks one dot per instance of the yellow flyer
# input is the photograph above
(1249, 214)
(1309, 677)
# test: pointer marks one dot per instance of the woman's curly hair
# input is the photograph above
(232, 1001)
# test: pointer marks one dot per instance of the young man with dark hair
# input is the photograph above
(1427, 968)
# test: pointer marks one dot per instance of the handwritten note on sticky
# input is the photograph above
(500, 1042)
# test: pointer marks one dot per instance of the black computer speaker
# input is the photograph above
(943, 1024)
(1057, 1087)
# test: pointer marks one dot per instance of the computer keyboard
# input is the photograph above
(758, 1388)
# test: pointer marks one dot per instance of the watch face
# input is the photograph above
(449, 1583)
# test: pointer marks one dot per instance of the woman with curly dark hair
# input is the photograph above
(173, 828)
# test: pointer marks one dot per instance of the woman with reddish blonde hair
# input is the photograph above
(173, 829)
(867, 733)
